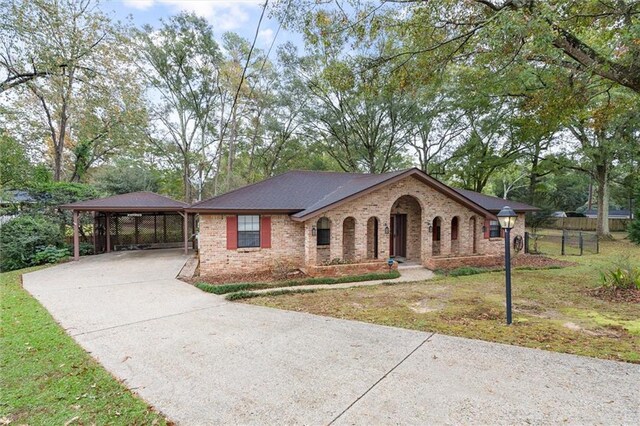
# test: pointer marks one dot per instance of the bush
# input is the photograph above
(621, 276)
(50, 254)
(23, 237)
(466, 270)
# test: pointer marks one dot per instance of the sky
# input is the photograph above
(239, 16)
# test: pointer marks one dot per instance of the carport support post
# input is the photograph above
(76, 237)
(185, 231)
(108, 231)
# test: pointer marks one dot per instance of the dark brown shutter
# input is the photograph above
(232, 232)
(265, 232)
(487, 228)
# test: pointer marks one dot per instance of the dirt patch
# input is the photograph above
(575, 327)
(426, 306)
(630, 295)
(538, 261)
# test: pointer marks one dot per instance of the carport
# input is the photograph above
(137, 220)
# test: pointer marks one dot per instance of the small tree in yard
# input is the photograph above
(634, 226)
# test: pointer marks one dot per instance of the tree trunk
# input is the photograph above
(602, 179)
(186, 181)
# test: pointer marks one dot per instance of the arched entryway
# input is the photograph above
(406, 229)
(372, 237)
(436, 230)
(349, 238)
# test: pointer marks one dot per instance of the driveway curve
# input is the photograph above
(201, 360)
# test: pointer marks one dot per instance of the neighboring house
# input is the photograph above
(613, 214)
(307, 220)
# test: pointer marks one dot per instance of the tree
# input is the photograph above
(181, 63)
(634, 226)
(123, 178)
(15, 168)
(606, 130)
(88, 94)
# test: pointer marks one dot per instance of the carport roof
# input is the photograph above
(142, 201)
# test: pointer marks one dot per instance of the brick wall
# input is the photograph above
(349, 269)
(294, 244)
(287, 247)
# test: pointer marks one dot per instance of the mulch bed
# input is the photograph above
(538, 261)
(631, 295)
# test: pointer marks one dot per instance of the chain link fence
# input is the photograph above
(565, 243)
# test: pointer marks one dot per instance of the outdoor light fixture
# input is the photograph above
(430, 228)
(507, 218)
(386, 229)
(314, 231)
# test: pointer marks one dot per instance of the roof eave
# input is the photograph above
(201, 210)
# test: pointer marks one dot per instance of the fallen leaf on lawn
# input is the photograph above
(71, 420)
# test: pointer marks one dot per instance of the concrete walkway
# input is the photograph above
(407, 275)
(201, 360)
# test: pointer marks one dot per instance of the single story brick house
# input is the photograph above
(331, 223)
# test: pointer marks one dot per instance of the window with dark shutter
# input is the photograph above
(248, 231)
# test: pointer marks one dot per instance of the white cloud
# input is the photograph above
(266, 35)
(138, 4)
(225, 15)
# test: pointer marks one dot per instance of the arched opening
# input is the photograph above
(473, 235)
(436, 228)
(455, 242)
(405, 242)
(323, 240)
(349, 239)
(372, 238)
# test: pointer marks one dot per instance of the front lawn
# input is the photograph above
(46, 378)
(554, 309)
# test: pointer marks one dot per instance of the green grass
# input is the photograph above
(554, 309)
(237, 287)
(46, 378)
(248, 294)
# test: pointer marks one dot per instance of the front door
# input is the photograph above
(398, 235)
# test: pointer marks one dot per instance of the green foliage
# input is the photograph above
(124, 178)
(236, 287)
(23, 237)
(466, 270)
(15, 168)
(248, 294)
(622, 275)
(634, 226)
(50, 254)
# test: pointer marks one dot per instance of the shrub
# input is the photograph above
(50, 254)
(22, 238)
(621, 276)
(466, 270)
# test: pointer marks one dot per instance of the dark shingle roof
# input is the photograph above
(303, 193)
(495, 204)
(133, 201)
(294, 192)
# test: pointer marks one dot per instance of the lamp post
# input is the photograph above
(507, 218)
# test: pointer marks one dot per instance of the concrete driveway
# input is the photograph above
(201, 360)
